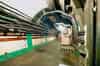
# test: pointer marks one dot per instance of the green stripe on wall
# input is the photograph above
(24, 50)
(29, 40)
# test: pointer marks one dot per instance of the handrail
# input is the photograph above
(15, 9)
(29, 22)
(12, 18)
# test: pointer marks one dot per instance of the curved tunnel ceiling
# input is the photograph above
(48, 20)
(53, 17)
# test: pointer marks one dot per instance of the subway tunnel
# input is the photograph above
(36, 41)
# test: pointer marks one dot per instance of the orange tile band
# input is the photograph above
(18, 38)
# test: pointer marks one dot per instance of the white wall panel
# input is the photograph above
(10, 46)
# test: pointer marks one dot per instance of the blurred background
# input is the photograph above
(86, 13)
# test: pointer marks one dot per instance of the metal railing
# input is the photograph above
(11, 18)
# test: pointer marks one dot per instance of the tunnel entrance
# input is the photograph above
(51, 19)
(55, 21)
